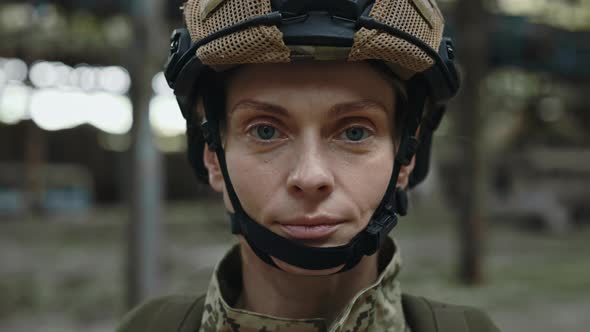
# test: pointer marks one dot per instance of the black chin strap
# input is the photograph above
(267, 244)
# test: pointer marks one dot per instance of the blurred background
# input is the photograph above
(100, 210)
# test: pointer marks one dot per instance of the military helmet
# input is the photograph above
(404, 36)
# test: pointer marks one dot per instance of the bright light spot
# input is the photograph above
(110, 113)
(14, 101)
(74, 78)
(43, 74)
(2, 78)
(15, 70)
(56, 74)
(54, 109)
(114, 79)
(165, 116)
(47, 74)
(63, 74)
(86, 77)
(160, 85)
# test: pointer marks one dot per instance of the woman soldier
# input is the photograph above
(313, 118)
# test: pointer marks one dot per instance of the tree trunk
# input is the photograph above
(471, 22)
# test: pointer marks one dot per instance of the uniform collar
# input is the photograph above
(375, 308)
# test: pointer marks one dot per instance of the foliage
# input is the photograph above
(571, 15)
(42, 31)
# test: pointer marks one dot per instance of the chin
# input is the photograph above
(303, 272)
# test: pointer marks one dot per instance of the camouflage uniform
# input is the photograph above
(376, 308)
(379, 307)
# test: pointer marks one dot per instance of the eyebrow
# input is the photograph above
(356, 106)
(260, 106)
(336, 110)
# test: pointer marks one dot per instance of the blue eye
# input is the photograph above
(264, 132)
(356, 134)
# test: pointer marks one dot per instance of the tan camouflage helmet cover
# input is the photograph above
(264, 44)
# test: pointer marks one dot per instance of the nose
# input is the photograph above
(311, 175)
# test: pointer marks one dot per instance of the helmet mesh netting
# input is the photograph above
(260, 44)
(402, 15)
(264, 44)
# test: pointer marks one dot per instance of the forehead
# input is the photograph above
(322, 82)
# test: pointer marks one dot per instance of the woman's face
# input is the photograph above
(309, 147)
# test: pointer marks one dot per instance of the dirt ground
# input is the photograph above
(68, 275)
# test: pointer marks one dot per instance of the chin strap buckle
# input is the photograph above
(377, 230)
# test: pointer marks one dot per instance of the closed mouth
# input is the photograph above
(309, 232)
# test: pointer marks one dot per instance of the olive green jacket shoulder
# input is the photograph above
(170, 313)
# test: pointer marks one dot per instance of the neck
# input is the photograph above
(270, 291)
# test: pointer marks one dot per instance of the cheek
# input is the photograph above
(366, 183)
(255, 180)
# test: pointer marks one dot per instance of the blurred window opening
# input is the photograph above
(64, 97)
(53, 109)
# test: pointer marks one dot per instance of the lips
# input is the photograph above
(310, 228)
